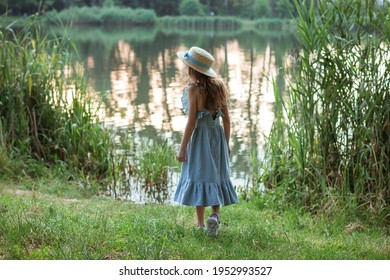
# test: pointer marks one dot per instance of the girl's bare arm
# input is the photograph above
(226, 124)
(191, 121)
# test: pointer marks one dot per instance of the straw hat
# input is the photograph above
(198, 59)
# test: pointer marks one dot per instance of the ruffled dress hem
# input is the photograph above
(206, 193)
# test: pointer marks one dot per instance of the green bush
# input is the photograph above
(143, 17)
(190, 8)
(201, 22)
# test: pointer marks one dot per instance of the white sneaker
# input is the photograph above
(213, 224)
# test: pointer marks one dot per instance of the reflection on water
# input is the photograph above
(140, 79)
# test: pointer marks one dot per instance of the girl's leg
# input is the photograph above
(200, 216)
(215, 209)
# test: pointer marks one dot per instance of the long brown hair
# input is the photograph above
(214, 90)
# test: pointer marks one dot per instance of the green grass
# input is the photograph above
(34, 225)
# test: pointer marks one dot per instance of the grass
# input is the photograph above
(35, 225)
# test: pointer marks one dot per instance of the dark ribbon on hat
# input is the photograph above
(193, 60)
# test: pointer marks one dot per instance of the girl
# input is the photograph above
(204, 150)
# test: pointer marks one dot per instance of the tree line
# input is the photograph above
(240, 8)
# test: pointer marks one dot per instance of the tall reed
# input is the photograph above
(142, 169)
(46, 112)
(331, 138)
(156, 163)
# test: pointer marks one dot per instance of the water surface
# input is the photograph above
(140, 80)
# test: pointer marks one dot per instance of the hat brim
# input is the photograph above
(210, 72)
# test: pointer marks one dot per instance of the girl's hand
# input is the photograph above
(181, 156)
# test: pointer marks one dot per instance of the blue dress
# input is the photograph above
(205, 177)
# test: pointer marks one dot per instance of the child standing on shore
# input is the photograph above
(204, 150)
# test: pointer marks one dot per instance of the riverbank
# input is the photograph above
(88, 17)
(67, 225)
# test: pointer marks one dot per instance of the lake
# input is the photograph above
(136, 73)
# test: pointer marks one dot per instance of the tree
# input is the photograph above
(190, 7)
(262, 8)
(15, 7)
(213, 6)
(167, 7)
(243, 8)
(108, 3)
(162, 8)
(283, 8)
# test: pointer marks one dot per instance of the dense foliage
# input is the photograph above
(104, 16)
(243, 8)
(190, 8)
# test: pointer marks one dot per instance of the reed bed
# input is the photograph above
(331, 138)
(154, 162)
(142, 170)
(46, 112)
